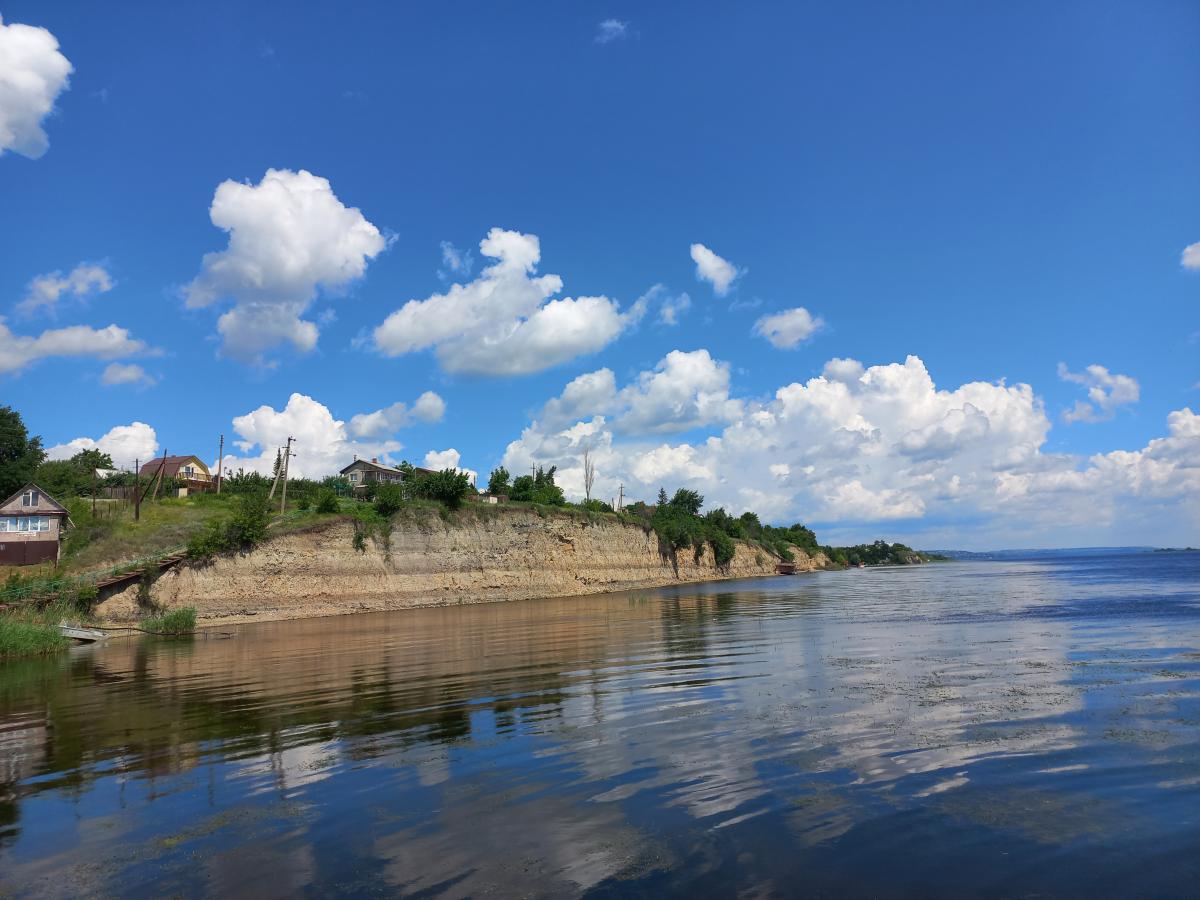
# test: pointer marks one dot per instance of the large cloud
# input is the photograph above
(323, 444)
(873, 450)
(504, 322)
(32, 74)
(684, 390)
(289, 237)
(18, 351)
(126, 444)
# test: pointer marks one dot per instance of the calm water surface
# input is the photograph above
(967, 729)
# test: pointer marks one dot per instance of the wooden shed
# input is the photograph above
(32, 524)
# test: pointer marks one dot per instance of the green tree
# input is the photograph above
(662, 497)
(62, 478)
(750, 524)
(538, 488)
(718, 520)
(448, 486)
(91, 460)
(498, 481)
(522, 489)
(20, 454)
(688, 501)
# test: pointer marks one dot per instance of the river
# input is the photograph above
(968, 728)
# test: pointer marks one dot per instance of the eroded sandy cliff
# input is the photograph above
(508, 554)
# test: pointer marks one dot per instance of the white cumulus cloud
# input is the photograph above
(112, 342)
(448, 459)
(126, 444)
(81, 282)
(322, 444)
(504, 322)
(33, 72)
(1190, 258)
(1105, 391)
(289, 237)
(429, 407)
(881, 450)
(718, 272)
(125, 373)
(789, 328)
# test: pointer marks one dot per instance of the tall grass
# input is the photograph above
(175, 622)
(30, 631)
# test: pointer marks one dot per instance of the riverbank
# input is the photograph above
(424, 558)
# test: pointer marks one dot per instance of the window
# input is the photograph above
(29, 498)
(24, 523)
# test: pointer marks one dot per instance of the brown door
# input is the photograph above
(27, 553)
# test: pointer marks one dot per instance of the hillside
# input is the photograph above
(427, 558)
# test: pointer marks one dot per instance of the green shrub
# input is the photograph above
(175, 622)
(245, 529)
(248, 526)
(327, 501)
(723, 549)
(304, 504)
(389, 499)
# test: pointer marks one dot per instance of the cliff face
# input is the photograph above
(507, 554)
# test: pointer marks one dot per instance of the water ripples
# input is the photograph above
(880, 732)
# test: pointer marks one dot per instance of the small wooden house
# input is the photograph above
(189, 469)
(32, 524)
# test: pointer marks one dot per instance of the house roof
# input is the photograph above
(370, 464)
(47, 505)
(170, 466)
(375, 464)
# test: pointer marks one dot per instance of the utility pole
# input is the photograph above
(94, 478)
(287, 457)
(137, 493)
(621, 499)
(278, 472)
(220, 461)
(161, 469)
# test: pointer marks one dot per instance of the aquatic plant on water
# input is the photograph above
(175, 622)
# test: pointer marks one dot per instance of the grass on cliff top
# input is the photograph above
(112, 535)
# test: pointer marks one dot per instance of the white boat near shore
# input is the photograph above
(79, 633)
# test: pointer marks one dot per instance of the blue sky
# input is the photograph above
(994, 189)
